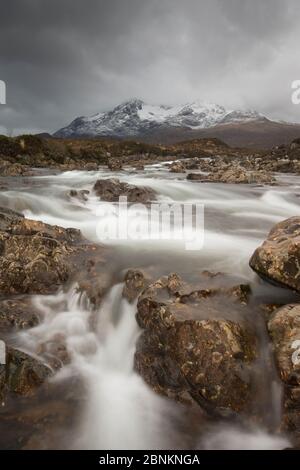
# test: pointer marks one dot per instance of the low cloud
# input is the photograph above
(61, 59)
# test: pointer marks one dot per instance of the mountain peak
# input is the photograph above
(133, 102)
(134, 119)
(130, 105)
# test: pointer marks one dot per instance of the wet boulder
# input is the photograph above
(97, 276)
(196, 345)
(112, 189)
(8, 217)
(193, 164)
(40, 421)
(235, 174)
(284, 329)
(139, 166)
(135, 281)
(37, 258)
(195, 177)
(177, 167)
(14, 169)
(115, 164)
(22, 374)
(278, 259)
(34, 257)
(90, 166)
(81, 194)
(17, 313)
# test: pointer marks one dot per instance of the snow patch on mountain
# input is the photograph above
(135, 118)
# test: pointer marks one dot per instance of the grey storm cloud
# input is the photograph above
(64, 58)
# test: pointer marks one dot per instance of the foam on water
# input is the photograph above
(238, 438)
(121, 411)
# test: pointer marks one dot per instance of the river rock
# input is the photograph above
(9, 217)
(91, 166)
(37, 258)
(112, 189)
(17, 313)
(34, 257)
(278, 259)
(235, 175)
(195, 177)
(22, 374)
(139, 166)
(193, 163)
(190, 349)
(40, 421)
(115, 165)
(14, 169)
(284, 329)
(80, 194)
(177, 167)
(97, 277)
(135, 281)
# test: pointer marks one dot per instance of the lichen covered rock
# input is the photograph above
(284, 329)
(17, 313)
(112, 189)
(134, 283)
(22, 374)
(177, 167)
(234, 174)
(189, 350)
(278, 259)
(37, 258)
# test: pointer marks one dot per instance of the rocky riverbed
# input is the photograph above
(136, 343)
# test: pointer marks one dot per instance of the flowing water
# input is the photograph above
(119, 410)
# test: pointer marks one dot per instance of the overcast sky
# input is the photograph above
(65, 58)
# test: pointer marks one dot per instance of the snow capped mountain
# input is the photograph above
(134, 118)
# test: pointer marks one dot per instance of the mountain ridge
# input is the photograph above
(160, 124)
(135, 118)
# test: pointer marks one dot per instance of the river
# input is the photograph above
(119, 411)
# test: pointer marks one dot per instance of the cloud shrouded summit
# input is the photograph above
(62, 59)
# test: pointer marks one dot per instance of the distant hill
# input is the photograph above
(256, 135)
